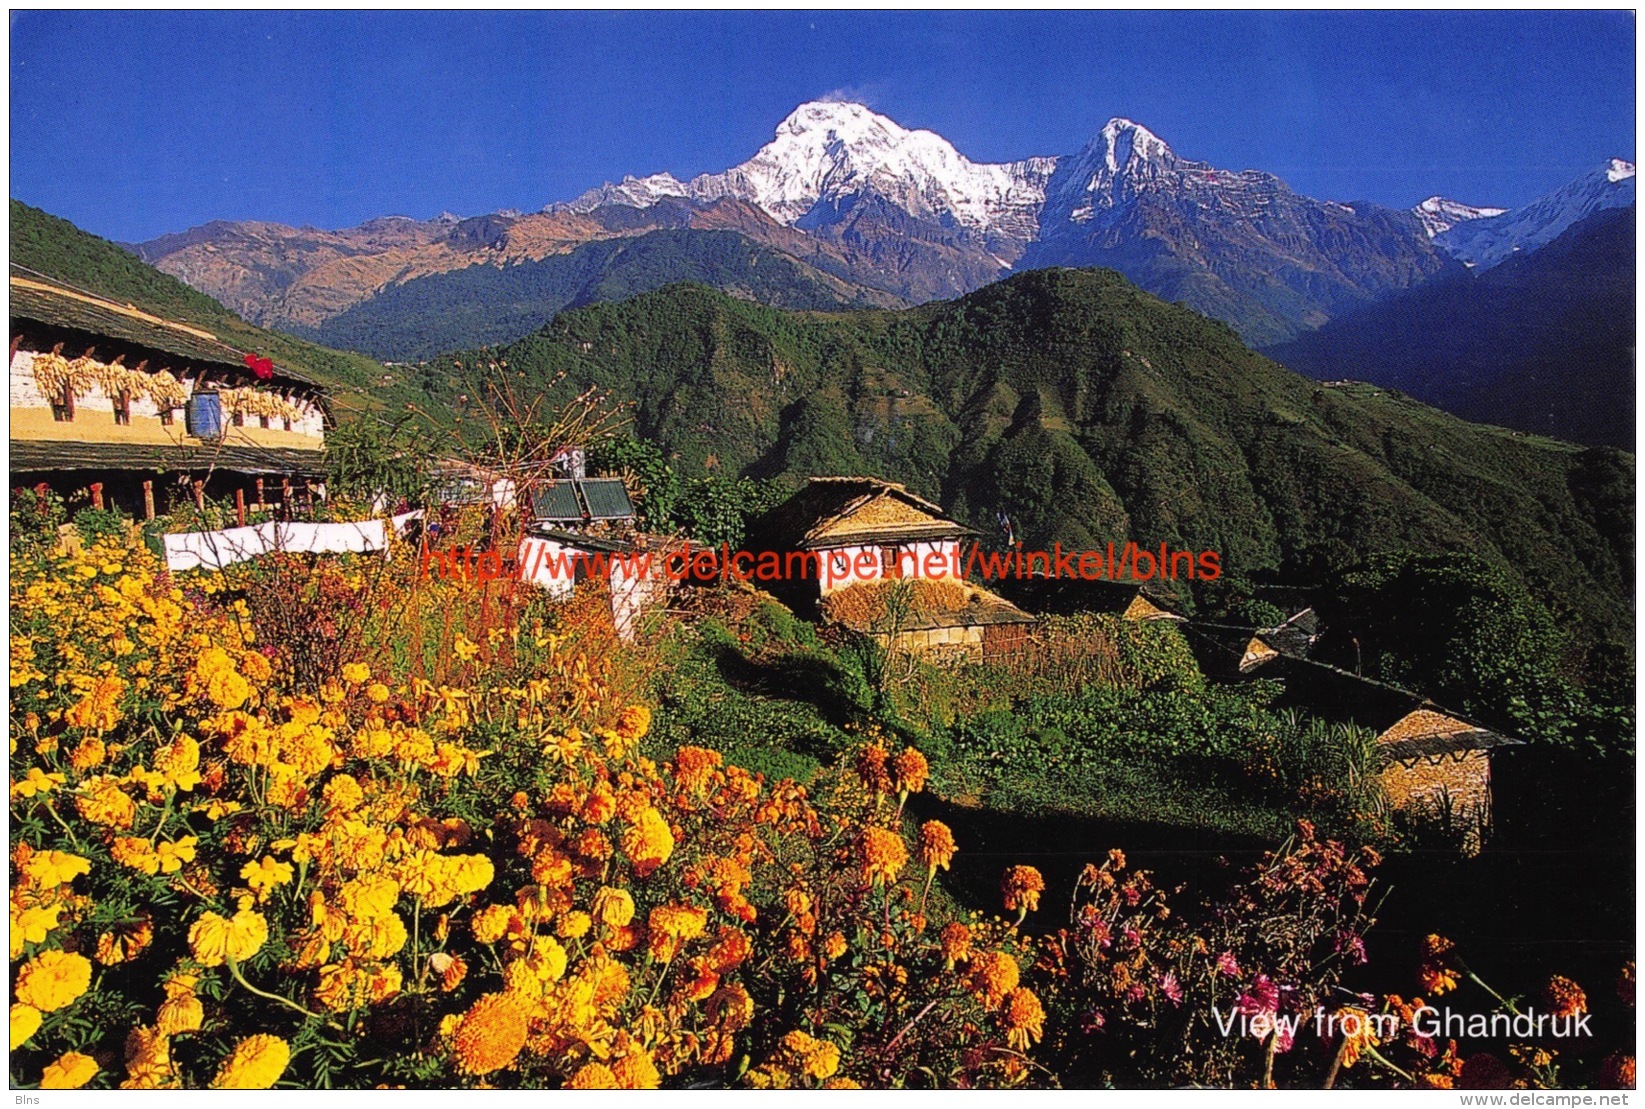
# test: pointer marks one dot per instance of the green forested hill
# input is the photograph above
(1089, 410)
(57, 249)
(492, 304)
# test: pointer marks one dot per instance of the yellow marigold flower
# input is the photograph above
(178, 763)
(172, 854)
(834, 946)
(1024, 1018)
(490, 924)
(573, 925)
(53, 980)
(909, 771)
(54, 868)
(256, 1063)
(634, 723)
(135, 852)
(101, 801)
(265, 874)
(88, 754)
(647, 841)
(100, 709)
(256, 667)
(179, 1015)
(993, 974)
(356, 672)
(671, 927)
(1563, 997)
(1436, 973)
(936, 845)
(593, 1076)
(613, 907)
(1022, 886)
(25, 1022)
(36, 781)
(213, 940)
(377, 692)
(370, 897)
(636, 1071)
(148, 1059)
(883, 854)
(491, 1034)
(31, 924)
(465, 648)
(71, 1071)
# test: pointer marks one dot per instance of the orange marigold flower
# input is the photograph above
(256, 1063)
(1437, 974)
(490, 1035)
(593, 1076)
(670, 927)
(1022, 886)
(870, 766)
(955, 943)
(694, 767)
(636, 1071)
(936, 845)
(909, 771)
(834, 945)
(1563, 997)
(1358, 1033)
(647, 841)
(883, 854)
(1023, 1017)
(993, 974)
(613, 907)
(1617, 1072)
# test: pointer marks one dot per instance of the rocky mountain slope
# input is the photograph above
(1487, 242)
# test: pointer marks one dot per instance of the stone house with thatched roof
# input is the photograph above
(1436, 763)
(870, 555)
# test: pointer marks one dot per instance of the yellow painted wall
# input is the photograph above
(96, 425)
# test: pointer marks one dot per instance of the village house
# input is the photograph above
(139, 411)
(1129, 600)
(1436, 763)
(887, 563)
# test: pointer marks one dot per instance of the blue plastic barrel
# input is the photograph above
(204, 416)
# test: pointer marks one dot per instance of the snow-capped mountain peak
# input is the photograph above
(1122, 142)
(1439, 214)
(1483, 243)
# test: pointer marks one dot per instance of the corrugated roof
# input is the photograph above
(55, 306)
(556, 501)
(40, 455)
(581, 499)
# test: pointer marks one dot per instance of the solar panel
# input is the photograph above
(606, 499)
(556, 502)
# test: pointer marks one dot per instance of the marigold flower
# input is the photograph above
(255, 1063)
(25, 1022)
(377, 692)
(70, 1071)
(883, 854)
(647, 841)
(355, 672)
(1617, 1072)
(53, 980)
(954, 941)
(593, 1076)
(88, 754)
(993, 974)
(1022, 886)
(101, 801)
(124, 943)
(636, 1071)
(54, 868)
(834, 946)
(671, 927)
(31, 924)
(490, 924)
(179, 1015)
(909, 771)
(265, 874)
(214, 939)
(694, 767)
(1023, 1017)
(936, 845)
(573, 925)
(870, 766)
(1563, 997)
(1436, 972)
(490, 1035)
(634, 723)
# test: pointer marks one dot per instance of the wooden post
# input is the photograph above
(261, 503)
(97, 495)
(285, 498)
(199, 495)
(240, 506)
(148, 500)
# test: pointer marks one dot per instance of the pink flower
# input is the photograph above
(1228, 965)
(1169, 987)
(1262, 999)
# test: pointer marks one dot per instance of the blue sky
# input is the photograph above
(135, 124)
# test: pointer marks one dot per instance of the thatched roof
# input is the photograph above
(38, 301)
(924, 605)
(843, 511)
(42, 455)
(1408, 725)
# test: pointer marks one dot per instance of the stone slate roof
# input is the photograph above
(32, 455)
(824, 503)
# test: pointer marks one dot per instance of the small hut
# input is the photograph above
(1436, 763)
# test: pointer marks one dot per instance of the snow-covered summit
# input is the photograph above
(1483, 243)
(1439, 214)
